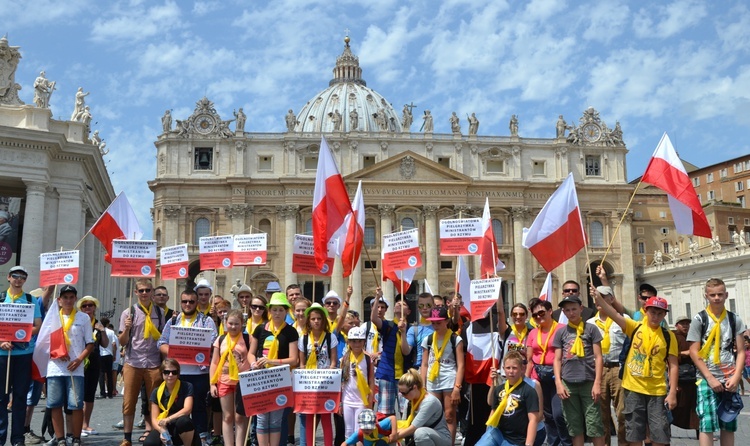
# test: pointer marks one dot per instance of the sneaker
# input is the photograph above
(217, 441)
(141, 424)
(30, 438)
(90, 431)
(84, 434)
(120, 425)
(52, 442)
(62, 443)
(76, 442)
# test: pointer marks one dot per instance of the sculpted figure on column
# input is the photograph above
(353, 120)
(473, 124)
(241, 118)
(407, 118)
(428, 124)
(455, 123)
(513, 125)
(336, 119)
(80, 105)
(560, 127)
(291, 120)
(43, 88)
(166, 121)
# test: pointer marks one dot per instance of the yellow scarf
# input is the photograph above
(189, 321)
(234, 370)
(577, 348)
(94, 332)
(206, 311)
(312, 358)
(172, 397)
(66, 325)
(438, 352)
(221, 329)
(333, 324)
(149, 331)
(713, 343)
(604, 326)
(273, 352)
(403, 424)
(546, 341)
(364, 388)
(495, 418)
(520, 335)
(650, 335)
(14, 297)
(251, 326)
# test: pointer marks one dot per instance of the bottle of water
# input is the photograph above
(167, 438)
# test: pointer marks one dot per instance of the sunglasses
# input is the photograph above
(539, 314)
(18, 276)
(87, 305)
(331, 302)
(423, 306)
(257, 307)
(643, 297)
(406, 392)
(518, 314)
(144, 290)
(171, 372)
(570, 290)
(188, 302)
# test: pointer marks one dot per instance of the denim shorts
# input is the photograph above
(35, 393)
(62, 389)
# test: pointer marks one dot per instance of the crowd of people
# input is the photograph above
(541, 376)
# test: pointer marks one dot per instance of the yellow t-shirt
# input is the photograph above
(655, 383)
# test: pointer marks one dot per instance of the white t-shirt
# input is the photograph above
(324, 359)
(350, 393)
(80, 335)
(446, 378)
(107, 351)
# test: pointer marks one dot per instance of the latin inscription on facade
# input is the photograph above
(397, 193)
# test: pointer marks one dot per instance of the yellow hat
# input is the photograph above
(89, 299)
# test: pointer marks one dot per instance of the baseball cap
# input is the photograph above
(18, 269)
(729, 407)
(366, 419)
(438, 314)
(682, 318)
(570, 298)
(605, 290)
(657, 302)
(68, 289)
(383, 301)
(357, 333)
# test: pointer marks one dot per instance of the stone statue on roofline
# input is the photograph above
(473, 124)
(241, 117)
(80, 105)
(43, 89)
(291, 120)
(9, 58)
(513, 125)
(166, 122)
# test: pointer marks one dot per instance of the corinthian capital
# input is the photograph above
(519, 213)
(430, 210)
(386, 210)
(287, 212)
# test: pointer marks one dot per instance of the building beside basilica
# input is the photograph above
(212, 180)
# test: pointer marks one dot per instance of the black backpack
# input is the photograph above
(326, 341)
(629, 343)
(453, 343)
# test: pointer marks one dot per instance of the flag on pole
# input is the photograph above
(546, 293)
(665, 171)
(331, 204)
(427, 287)
(557, 232)
(401, 278)
(50, 342)
(480, 342)
(489, 258)
(355, 234)
(463, 283)
(117, 222)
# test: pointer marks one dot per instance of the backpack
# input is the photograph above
(732, 322)
(453, 343)
(629, 343)
(29, 297)
(326, 341)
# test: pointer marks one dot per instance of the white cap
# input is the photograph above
(357, 333)
(203, 283)
(332, 295)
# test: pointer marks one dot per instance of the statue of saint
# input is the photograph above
(560, 127)
(407, 118)
(353, 120)
(336, 118)
(42, 91)
(455, 123)
(715, 244)
(291, 121)
(658, 259)
(513, 125)
(86, 118)
(80, 105)
(241, 118)
(428, 124)
(473, 124)
(9, 58)
(166, 122)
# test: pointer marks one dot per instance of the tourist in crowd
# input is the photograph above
(171, 406)
(426, 422)
(385, 373)
(684, 415)
(257, 310)
(107, 358)
(357, 377)
(89, 305)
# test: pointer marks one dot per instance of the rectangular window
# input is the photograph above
(723, 173)
(204, 158)
(664, 231)
(369, 235)
(730, 221)
(638, 214)
(741, 200)
(495, 166)
(665, 247)
(696, 181)
(662, 214)
(265, 163)
(738, 168)
(593, 167)
(539, 168)
(444, 161)
(739, 186)
(711, 195)
(688, 310)
(446, 264)
(641, 247)
(371, 264)
(710, 177)
(747, 222)
(732, 306)
(311, 162)
(367, 161)
(669, 314)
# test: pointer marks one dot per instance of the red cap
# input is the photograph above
(657, 302)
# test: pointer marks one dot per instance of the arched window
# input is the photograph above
(202, 229)
(407, 223)
(308, 226)
(370, 236)
(596, 232)
(497, 229)
(265, 226)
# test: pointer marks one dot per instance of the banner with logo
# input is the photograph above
(460, 237)
(303, 257)
(133, 258)
(190, 345)
(250, 249)
(484, 294)
(16, 322)
(266, 390)
(401, 250)
(216, 252)
(60, 267)
(174, 262)
(317, 390)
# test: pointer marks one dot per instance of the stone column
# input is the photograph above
(432, 251)
(337, 277)
(627, 262)
(171, 235)
(239, 158)
(69, 218)
(523, 278)
(86, 258)
(289, 215)
(386, 222)
(236, 214)
(33, 229)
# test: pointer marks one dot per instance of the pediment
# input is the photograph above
(408, 166)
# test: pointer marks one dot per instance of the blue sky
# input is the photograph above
(679, 67)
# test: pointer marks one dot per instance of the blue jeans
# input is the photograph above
(493, 437)
(20, 381)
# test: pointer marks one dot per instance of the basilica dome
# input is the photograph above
(348, 105)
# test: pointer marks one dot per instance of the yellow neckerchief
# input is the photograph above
(713, 343)
(66, 325)
(604, 326)
(345, 336)
(650, 335)
(149, 331)
(398, 356)
(172, 397)
(94, 331)
(495, 418)
(362, 385)
(644, 319)
(438, 352)
(333, 325)
(520, 335)
(376, 337)
(273, 352)
(546, 341)
(251, 326)
(221, 328)
(189, 321)
(577, 348)
(234, 370)
(312, 358)
(403, 424)
(14, 297)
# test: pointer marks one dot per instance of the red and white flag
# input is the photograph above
(331, 205)
(557, 232)
(355, 234)
(50, 342)
(117, 222)
(401, 278)
(463, 283)
(480, 342)
(665, 171)
(489, 259)
(546, 293)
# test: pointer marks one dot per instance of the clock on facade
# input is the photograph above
(591, 132)
(205, 124)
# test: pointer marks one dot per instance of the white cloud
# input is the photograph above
(659, 21)
(125, 25)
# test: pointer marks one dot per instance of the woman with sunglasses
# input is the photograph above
(540, 355)
(514, 335)
(258, 313)
(171, 405)
(426, 423)
(88, 305)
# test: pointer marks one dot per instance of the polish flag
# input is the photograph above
(481, 340)
(546, 292)
(355, 224)
(331, 205)
(665, 171)
(557, 232)
(50, 342)
(463, 283)
(401, 278)
(489, 259)
(117, 222)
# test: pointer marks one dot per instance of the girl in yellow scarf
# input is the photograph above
(171, 406)
(357, 373)
(229, 359)
(425, 412)
(258, 313)
(300, 305)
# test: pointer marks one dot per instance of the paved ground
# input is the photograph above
(108, 412)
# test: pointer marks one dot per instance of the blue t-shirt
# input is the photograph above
(379, 436)
(415, 336)
(386, 367)
(24, 348)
